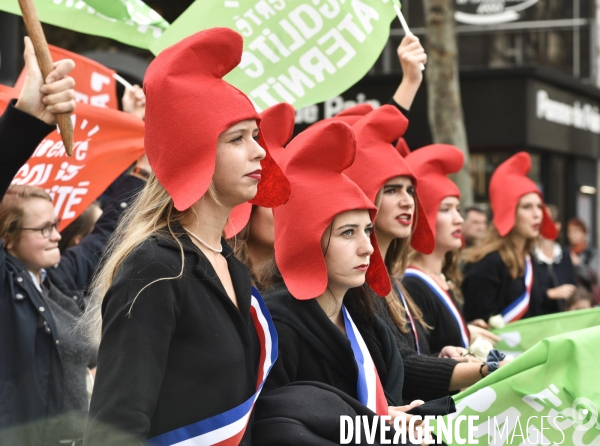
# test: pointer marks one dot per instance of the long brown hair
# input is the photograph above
(450, 270)
(265, 274)
(505, 246)
(396, 260)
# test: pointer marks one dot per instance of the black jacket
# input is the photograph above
(488, 289)
(426, 377)
(307, 413)
(445, 329)
(312, 348)
(184, 353)
(31, 375)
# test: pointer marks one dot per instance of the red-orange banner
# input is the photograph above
(106, 142)
(94, 83)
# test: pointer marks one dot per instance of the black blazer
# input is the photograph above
(184, 353)
(312, 348)
(445, 329)
(488, 289)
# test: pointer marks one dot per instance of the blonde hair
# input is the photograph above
(12, 212)
(396, 260)
(151, 213)
(505, 247)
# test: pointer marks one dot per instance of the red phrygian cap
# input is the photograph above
(314, 162)
(354, 113)
(188, 105)
(378, 161)
(508, 184)
(276, 127)
(431, 164)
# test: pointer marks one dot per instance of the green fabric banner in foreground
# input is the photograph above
(300, 52)
(548, 395)
(128, 21)
(519, 336)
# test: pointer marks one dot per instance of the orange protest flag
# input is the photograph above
(36, 33)
(106, 143)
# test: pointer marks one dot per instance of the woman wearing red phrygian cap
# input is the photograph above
(186, 342)
(325, 249)
(385, 177)
(250, 227)
(498, 273)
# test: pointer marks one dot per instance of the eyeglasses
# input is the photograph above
(47, 229)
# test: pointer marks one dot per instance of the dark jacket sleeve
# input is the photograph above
(20, 134)
(78, 263)
(285, 368)
(394, 382)
(133, 352)
(404, 111)
(482, 286)
(425, 377)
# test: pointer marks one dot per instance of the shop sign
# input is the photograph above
(490, 12)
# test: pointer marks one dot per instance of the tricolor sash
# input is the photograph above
(517, 309)
(410, 318)
(369, 389)
(445, 298)
(227, 428)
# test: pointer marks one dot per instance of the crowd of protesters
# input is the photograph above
(375, 283)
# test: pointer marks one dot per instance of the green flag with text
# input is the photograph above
(549, 395)
(128, 21)
(519, 336)
(300, 52)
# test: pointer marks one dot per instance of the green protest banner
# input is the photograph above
(519, 336)
(300, 52)
(549, 395)
(128, 21)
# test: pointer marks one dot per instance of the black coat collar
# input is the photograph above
(240, 276)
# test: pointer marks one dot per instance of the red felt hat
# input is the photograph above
(402, 147)
(314, 162)
(276, 127)
(188, 105)
(377, 161)
(431, 164)
(354, 113)
(508, 184)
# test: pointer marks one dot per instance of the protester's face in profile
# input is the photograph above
(347, 249)
(448, 225)
(528, 222)
(397, 208)
(475, 225)
(31, 247)
(237, 169)
(261, 226)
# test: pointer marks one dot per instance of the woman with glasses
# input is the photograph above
(43, 364)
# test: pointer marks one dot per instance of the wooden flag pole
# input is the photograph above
(36, 33)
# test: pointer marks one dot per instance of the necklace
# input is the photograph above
(203, 242)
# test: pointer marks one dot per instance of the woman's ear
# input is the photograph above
(77, 240)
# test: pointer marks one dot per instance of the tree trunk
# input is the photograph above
(443, 89)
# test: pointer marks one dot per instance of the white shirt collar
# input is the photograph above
(43, 275)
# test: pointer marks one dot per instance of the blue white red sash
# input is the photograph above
(227, 428)
(517, 309)
(369, 389)
(410, 318)
(445, 298)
